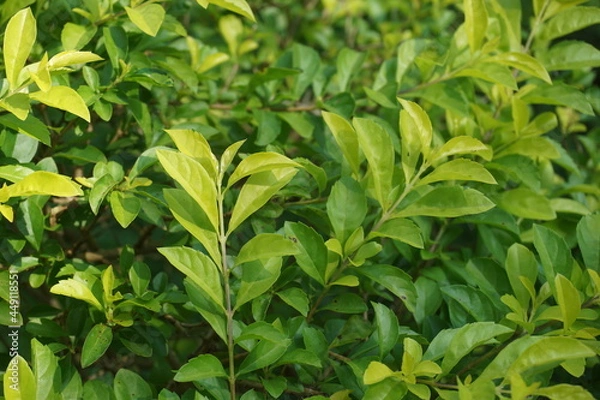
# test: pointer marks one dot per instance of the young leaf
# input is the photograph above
(77, 290)
(376, 372)
(346, 207)
(262, 355)
(19, 382)
(147, 16)
(523, 62)
(193, 144)
(237, 6)
(257, 190)
(229, 154)
(378, 148)
(19, 38)
(265, 246)
(461, 170)
(448, 201)
(96, 343)
(63, 98)
(198, 368)
(417, 125)
(43, 183)
(199, 268)
(70, 57)
(346, 137)
(257, 277)
(194, 179)
(476, 20)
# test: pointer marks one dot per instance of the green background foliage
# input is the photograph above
(331, 199)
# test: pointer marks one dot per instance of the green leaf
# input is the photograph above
(523, 62)
(348, 63)
(212, 313)
(45, 366)
(526, 203)
(130, 386)
(198, 368)
(532, 147)
(468, 303)
(468, 338)
(139, 276)
(257, 277)
(295, 298)
(199, 268)
(546, 353)
(568, 21)
(554, 254)
(63, 98)
(191, 216)
(312, 252)
(298, 122)
(308, 61)
(147, 17)
(568, 300)
(77, 290)
(31, 127)
(260, 162)
(559, 94)
(476, 20)
(262, 355)
(521, 263)
(255, 193)
(96, 343)
(462, 145)
(125, 207)
(346, 138)
(448, 201)
(564, 391)
(346, 303)
(19, 382)
(388, 330)
(194, 179)
(389, 389)
(30, 222)
(461, 170)
(588, 238)
(346, 207)
(407, 52)
(401, 229)
(237, 6)
(269, 126)
(490, 72)
(571, 54)
(19, 38)
(265, 246)
(393, 279)
(261, 331)
(378, 148)
(97, 390)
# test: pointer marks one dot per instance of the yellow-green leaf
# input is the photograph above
(17, 104)
(376, 372)
(63, 98)
(148, 17)
(259, 162)
(77, 290)
(346, 138)
(19, 38)
(237, 6)
(569, 302)
(459, 170)
(462, 145)
(72, 57)
(44, 183)
(194, 144)
(19, 382)
(523, 62)
(476, 19)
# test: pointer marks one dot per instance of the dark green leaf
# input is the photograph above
(96, 343)
(199, 368)
(262, 355)
(130, 386)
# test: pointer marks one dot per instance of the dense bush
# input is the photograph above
(303, 199)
